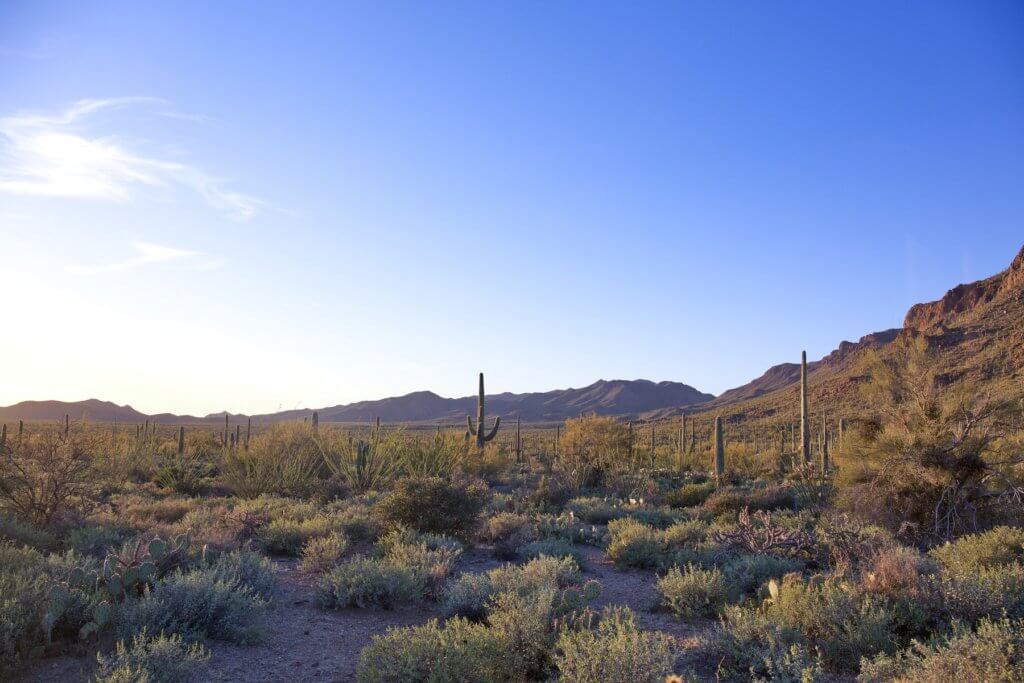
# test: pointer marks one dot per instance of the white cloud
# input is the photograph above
(57, 156)
(146, 253)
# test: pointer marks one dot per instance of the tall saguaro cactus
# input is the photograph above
(181, 440)
(316, 423)
(824, 445)
(480, 432)
(805, 425)
(719, 452)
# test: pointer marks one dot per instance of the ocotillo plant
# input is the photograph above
(719, 452)
(480, 432)
(181, 440)
(805, 425)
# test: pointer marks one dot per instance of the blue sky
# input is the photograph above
(253, 206)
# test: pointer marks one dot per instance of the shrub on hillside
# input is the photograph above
(433, 505)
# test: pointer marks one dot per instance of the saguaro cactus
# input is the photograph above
(67, 425)
(824, 445)
(3, 435)
(181, 440)
(316, 423)
(226, 428)
(805, 425)
(480, 432)
(248, 432)
(719, 452)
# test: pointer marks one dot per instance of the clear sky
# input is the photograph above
(252, 206)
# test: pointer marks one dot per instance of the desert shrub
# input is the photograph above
(362, 465)
(321, 553)
(692, 592)
(659, 518)
(689, 495)
(165, 511)
(993, 653)
(508, 531)
(156, 659)
(827, 617)
(593, 450)
(983, 592)
(183, 473)
(745, 574)
(20, 533)
(524, 632)
(729, 501)
(617, 651)
(429, 566)
(999, 546)
(248, 570)
(461, 651)
(468, 595)
(288, 536)
(433, 505)
(196, 605)
(939, 466)
(364, 582)
(282, 460)
(355, 519)
(683, 534)
(44, 475)
(552, 547)
(438, 456)
(23, 602)
(97, 540)
(634, 544)
(595, 510)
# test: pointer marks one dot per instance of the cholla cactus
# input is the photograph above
(479, 431)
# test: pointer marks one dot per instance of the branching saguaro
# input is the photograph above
(480, 431)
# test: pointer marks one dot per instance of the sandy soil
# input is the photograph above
(307, 643)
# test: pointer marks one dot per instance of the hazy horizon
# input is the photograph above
(256, 208)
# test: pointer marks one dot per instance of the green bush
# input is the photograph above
(23, 602)
(22, 533)
(993, 653)
(689, 495)
(730, 501)
(429, 566)
(468, 596)
(1000, 546)
(984, 592)
(551, 547)
(197, 605)
(323, 552)
(248, 570)
(158, 659)
(634, 544)
(461, 651)
(827, 617)
(595, 510)
(433, 505)
(617, 651)
(692, 592)
(745, 574)
(509, 531)
(288, 536)
(685, 534)
(363, 582)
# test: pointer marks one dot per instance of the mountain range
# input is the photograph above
(976, 331)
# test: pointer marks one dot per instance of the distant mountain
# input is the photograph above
(611, 397)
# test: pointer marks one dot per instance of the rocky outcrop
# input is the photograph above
(964, 298)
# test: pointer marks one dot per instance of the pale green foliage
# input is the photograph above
(363, 582)
(692, 592)
(321, 553)
(281, 460)
(998, 546)
(617, 651)
(23, 601)
(157, 659)
(994, 653)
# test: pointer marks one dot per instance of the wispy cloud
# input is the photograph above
(58, 156)
(149, 253)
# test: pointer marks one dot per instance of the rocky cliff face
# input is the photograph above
(963, 298)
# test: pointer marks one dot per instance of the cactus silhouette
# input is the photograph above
(480, 431)
(719, 451)
(805, 425)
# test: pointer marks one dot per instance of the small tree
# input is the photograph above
(47, 473)
(938, 462)
(593, 449)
